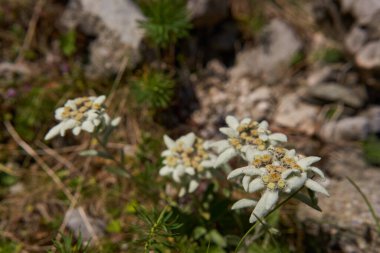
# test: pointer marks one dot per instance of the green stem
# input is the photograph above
(105, 149)
(153, 230)
(274, 209)
(370, 207)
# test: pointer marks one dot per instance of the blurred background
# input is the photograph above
(310, 68)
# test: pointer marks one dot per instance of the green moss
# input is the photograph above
(371, 148)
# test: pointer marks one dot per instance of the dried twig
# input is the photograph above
(30, 151)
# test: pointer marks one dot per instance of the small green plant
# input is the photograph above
(329, 55)
(371, 148)
(68, 245)
(153, 88)
(167, 21)
(162, 229)
(67, 43)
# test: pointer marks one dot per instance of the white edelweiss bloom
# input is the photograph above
(187, 160)
(274, 172)
(84, 113)
(244, 136)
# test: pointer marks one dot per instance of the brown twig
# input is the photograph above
(30, 151)
(31, 29)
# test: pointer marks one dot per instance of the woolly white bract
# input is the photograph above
(84, 113)
(187, 160)
(275, 171)
(244, 136)
(271, 170)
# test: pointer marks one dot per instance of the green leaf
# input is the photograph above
(114, 226)
(199, 232)
(117, 171)
(217, 238)
(306, 200)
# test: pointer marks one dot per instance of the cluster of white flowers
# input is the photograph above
(84, 113)
(271, 169)
(187, 160)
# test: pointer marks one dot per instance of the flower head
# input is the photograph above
(273, 172)
(84, 113)
(187, 160)
(245, 136)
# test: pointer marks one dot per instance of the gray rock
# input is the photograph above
(293, 113)
(355, 39)
(207, 12)
(345, 218)
(347, 129)
(363, 10)
(272, 57)
(115, 25)
(373, 115)
(86, 228)
(333, 92)
(368, 56)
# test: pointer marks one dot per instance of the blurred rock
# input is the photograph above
(115, 25)
(207, 13)
(293, 113)
(373, 115)
(77, 223)
(355, 39)
(345, 224)
(271, 58)
(347, 129)
(368, 57)
(364, 11)
(334, 92)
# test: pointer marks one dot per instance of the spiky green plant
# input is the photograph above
(166, 21)
(153, 88)
(68, 245)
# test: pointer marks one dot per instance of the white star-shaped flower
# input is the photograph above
(274, 172)
(244, 136)
(187, 160)
(84, 113)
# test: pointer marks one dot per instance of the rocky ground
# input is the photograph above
(312, 70)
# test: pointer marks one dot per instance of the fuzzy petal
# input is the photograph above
(228, 131)
(307, 161)
(168, 142)
(251, 171)
(182, 192)
(76, 130)
(188, 139)
(260, 209)
(287, 173)
(235, 173)
(58, 113)
(278, 137)
(263, 137)
(243, 203)
(88, 126)
(246, 121)
(166, 170)
(263, 125)
(177, 173)
(166, 153)
(314, 186)
(256, 185)
(245, 182)
(232, 122)
(220, 146)
(271, 199)
(190, 171)
(53, 132)
(225, 157)
(100, 100)
(317, 171)
(296, 182)
(193, 186)
(116, 121)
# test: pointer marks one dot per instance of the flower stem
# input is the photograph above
(274, 209)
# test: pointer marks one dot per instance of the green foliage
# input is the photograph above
(161, 231)
(167, 21)
(329, 55)
(154, 89)
(68, 245)
(67, 43)
(371, 148)
(9, 246)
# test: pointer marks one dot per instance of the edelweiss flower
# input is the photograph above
(275, 171)
(84, 113)
(187, 160)
(244, 136)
